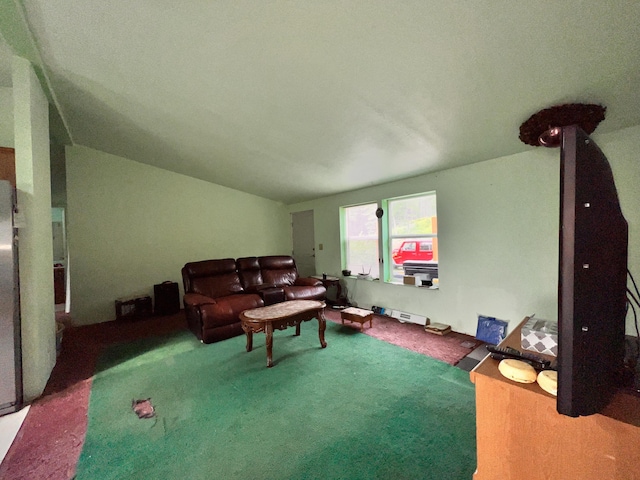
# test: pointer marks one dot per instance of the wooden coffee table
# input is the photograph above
(279, 316)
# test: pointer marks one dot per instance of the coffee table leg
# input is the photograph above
(298, 329)
(249, 341)
(268, 331)
(322, 325)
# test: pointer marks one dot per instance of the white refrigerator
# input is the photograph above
(10, 351)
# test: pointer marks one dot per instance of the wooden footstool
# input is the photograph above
(359, 315)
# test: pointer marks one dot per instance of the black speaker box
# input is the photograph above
(167, 298)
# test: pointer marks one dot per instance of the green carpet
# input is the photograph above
(359, 409)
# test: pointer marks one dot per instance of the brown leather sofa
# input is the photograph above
(217, 291)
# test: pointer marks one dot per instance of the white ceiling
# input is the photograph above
(294, 100)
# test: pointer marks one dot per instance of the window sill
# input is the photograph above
(421, 287)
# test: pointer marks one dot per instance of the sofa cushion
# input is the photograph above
(212, 278)
(249, 272)
(278, 270)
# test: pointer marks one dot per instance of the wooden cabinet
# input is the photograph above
(520, 435)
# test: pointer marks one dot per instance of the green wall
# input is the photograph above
(6, 117)
(31, 117)
(497, 233)
(130, 226)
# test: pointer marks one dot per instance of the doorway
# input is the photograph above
(60, 267)
(304, 251)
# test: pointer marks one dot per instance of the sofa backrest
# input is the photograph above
(213, 278)
(249, 272)
(278, 270)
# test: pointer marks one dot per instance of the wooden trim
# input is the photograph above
(8, 165)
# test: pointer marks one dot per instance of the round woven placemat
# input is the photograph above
(586, 115)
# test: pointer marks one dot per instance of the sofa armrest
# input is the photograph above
(307, 282)
(272, 295)
(195, 299)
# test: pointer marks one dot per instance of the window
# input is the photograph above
(408, 240)
(411, 236)
(359, 231)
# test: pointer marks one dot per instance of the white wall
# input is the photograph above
(497, 234)
(6, 117)
(33, 183)
(130, 226)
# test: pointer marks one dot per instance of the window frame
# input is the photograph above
(344, 239)
(388, 238)
(385, 238)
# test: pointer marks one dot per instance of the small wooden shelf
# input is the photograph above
(133, 308)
